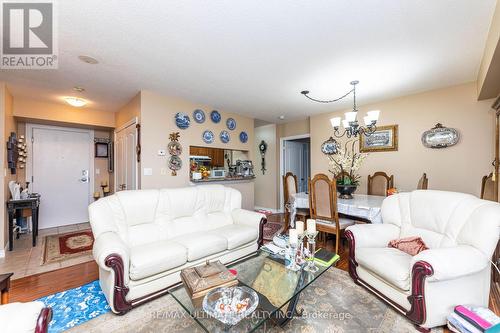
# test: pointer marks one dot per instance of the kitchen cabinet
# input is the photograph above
(216, 154)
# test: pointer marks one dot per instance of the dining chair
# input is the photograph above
(379, 183)
(423, 182)
(488, 188)
(323, 207)
(289, 189)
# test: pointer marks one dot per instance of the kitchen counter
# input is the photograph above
(223, 180)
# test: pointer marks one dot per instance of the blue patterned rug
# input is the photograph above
(75, 306)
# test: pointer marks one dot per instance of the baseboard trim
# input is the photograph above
(274, 211)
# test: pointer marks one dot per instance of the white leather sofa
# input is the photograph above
(144, 238)
(29, 317)
(461, 232)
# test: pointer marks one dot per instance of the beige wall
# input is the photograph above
(293, 128)
(129, 111)
(60, 114)
(157, 122)
(488, 79)
(266, 195)
(458, 168)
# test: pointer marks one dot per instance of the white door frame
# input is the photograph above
(282, 163)
(29, 145)
(133, 121)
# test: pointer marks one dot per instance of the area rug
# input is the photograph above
(75, 306)
(271, 229)
(332, 304)
(66, 246)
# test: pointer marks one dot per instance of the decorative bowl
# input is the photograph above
(230, 305)
(346, 191)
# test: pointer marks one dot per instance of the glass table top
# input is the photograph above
(275, 285)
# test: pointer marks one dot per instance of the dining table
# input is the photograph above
(362, 206)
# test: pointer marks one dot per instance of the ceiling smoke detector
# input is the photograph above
(281, 117)
(88, 59)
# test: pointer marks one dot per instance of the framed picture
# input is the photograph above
(101, 149)
(385, 138)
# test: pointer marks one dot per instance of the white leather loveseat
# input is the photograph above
(461, 232)
(144, 238)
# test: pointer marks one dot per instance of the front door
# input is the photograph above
(60, 171)
(126, 158)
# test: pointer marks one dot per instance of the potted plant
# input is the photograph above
(344, 166)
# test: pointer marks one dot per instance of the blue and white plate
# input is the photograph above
(231, 123)
(215, 116)
(199, 116)
(182, 120)
(244, 137)
(224, 136)
(208, 136)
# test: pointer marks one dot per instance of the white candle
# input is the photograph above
(299, 225)
(311, 226)
(293, 237)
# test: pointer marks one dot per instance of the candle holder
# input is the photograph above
(311, 241)
(291, 263)
(300, 255)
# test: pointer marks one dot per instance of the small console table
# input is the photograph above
(15, 207)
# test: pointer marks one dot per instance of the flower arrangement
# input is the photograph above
(345, 164)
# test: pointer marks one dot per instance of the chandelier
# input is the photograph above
(350, 123)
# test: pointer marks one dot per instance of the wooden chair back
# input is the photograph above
(488, 188)
(323, 205)
(289, 186)
(379, 183)
(423, 182)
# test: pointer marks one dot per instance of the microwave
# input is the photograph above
(218, 174)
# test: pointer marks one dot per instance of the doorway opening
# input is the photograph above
(295, 157)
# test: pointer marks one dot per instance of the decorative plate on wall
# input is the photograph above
(440, 137)
(175, 163)
(224, 136)
(215, 116)
(231, 123)
(208, 136)
(199, 116)
(174, 148)
(244, 137)
(330, 146)
(182, 120)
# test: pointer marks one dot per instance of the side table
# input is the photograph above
(4, 287)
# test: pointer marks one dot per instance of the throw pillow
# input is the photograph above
(410, 245)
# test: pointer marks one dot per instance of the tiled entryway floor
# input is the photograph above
(26, 260)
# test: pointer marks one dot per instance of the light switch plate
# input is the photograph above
(163, 171)
(148, 171)
(162, 152)
(97, 171)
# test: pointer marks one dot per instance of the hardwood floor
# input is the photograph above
(35, 286)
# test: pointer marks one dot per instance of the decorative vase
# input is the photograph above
(346, 191)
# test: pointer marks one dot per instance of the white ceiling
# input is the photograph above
(254, 57)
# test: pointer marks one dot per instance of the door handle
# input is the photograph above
(85, 176)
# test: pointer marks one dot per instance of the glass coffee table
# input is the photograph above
(278, 290)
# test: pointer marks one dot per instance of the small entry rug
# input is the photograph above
(75, 306)
(66, 246)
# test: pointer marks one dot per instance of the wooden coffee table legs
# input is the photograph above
(4, 287)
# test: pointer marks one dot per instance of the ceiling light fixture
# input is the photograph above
(88, 59)
(281, 117)
(350, 123)
(78, 89)
(76, 102)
